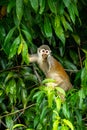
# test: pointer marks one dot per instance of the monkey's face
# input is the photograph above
(44, 53)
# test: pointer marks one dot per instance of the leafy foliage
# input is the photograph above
(25, 25)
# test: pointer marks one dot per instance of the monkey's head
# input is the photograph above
(44, 51)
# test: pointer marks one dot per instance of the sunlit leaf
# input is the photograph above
(18, 125)
(68, 123)
(55, 125)
(48, 81)
(58, 103)
(65, 128)
(20, 48)
(25, 57)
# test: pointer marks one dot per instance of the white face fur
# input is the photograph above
(44, 53)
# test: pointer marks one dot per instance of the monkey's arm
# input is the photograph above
(33, 58)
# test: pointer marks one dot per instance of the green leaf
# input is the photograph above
(66, 24)
(58, 29)
(74, 56)
(50, 96)
(60, 90)
(11, 90)
(70, 65)
(42, 6)
(34, 4)
(44, 113)
(19, 9)
(71, 12)
(66, 111)
(81, 94)
(66, 2)
(25, 56)
(58, 103)
(18, 125)
(8, 37)
(68, 123)
(76, 38)
(65, 128)
(24, 97)
(40, 97)
(48, 81)
(9, 76)
(20, 48)
(9, 122)
(84, 77)
(53, 6)
(14, 47)
(55, 125)
(27, 35)
(10, 6)
(47, 27)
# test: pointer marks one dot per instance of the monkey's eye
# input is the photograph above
(43, 50)
(47, 51)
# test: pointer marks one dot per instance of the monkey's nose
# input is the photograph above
(44, 55)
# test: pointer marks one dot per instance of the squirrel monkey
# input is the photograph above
(51, 67)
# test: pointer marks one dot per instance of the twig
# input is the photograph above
(12, 68)
(80, 57)
(3, 123)
(21, 110)
(36, 73)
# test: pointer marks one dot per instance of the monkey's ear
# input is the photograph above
(38, 50)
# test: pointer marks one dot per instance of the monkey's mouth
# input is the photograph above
(44, 56)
